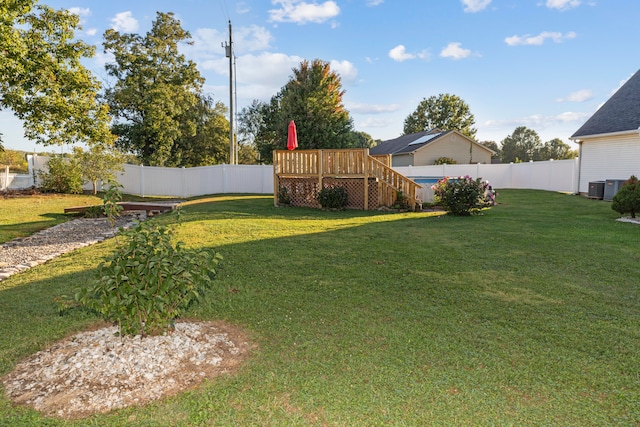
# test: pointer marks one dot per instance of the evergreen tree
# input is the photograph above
(313, 99)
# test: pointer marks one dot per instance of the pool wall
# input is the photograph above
(425, 193)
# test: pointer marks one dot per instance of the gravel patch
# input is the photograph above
(97, 371)
(20, 254)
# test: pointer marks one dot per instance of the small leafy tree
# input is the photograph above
(63, 176)
(627, 199)
(463, 196)
(98, 164)
(149, 282)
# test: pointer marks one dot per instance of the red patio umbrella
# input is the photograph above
(292, 138)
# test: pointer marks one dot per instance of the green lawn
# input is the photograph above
(525, 316)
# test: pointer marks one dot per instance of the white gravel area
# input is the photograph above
(97, 371)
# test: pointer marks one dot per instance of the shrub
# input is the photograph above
(332, 197)
(283, 196)
(445, 161)
(627, 199)
(402, 202)
(63, 176)
(463, 195)
(148, 282)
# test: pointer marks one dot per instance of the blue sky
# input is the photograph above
(544, 64)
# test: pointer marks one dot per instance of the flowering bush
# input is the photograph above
(463, 195)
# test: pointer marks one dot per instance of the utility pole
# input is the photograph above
(229, 53)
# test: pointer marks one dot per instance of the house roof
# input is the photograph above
(412, 142)
(408, 143)
(620, 113)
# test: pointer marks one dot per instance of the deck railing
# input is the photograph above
(347, 163)
(391, 182)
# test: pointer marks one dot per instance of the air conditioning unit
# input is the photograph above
(611, 187)
(596, 190)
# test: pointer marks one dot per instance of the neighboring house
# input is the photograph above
(610, 140)
(425, 148)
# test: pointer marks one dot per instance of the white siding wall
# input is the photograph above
(609, 158)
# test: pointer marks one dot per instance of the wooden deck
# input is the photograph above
(370, 181)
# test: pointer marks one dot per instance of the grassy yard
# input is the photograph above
(525, 316)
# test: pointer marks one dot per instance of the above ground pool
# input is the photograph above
(425, 180)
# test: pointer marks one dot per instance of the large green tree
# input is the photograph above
(155, 89)
(445, 112)
(556, 149)
(493, 146)
(210, 143)
(313, 99)
(42, 79)
(522, 145)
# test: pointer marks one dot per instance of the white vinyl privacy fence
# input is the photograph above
(558, 175)
(552, 175)
(198, 181)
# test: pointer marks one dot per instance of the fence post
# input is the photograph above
(184, 182)
(5, 181)
(224, 178)
(142, 180)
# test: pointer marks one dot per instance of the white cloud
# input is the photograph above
(475, 5)
(347, 71)
(578, 96)
(207, 42)
(302, 12)
(538, 40)
(399, 53)
(91, 31)
(562, 4)
(81, 12)
(372, 3)
(454, 51)
(124, 22)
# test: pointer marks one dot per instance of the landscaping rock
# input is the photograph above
(23, 253)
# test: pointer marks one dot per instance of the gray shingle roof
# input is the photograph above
(401, 145)
(620, 113)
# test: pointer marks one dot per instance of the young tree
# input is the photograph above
(250, 124)
(97, 164)
(446, 112)
(523, 144)
(313, 99)
(155, 89)
(42, 79)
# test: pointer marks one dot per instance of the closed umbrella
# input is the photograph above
(292, 138)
